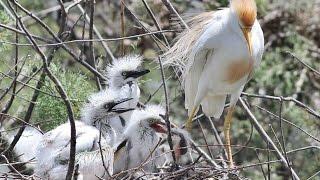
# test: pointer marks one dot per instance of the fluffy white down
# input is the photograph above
(129, 62)
(94, 111)
(54, 150)
(142, 139)
(27, 145)
(94, 108)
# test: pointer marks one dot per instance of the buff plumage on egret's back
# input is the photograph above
(216, 55)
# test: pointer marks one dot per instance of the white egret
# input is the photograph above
(123, 77)
(143, 135)
(217, 56)
(54, 148)
(103, 110)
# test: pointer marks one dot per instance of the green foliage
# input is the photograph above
(285, 70)
(51, 111)
(4, 35)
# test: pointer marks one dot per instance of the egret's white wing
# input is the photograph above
(201, 53)
(192, 79)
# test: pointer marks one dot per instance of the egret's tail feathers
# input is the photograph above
(179, 53)
(213, 106)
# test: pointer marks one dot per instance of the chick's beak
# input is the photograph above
(137, 73)
(117, 102)
(159, 127)
(120, 110)
(247, 35)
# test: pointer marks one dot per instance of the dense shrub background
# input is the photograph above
(289, 26)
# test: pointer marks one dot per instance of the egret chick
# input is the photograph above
(103, 110)
(217, 56)
(143, 135)
(25, 149)
(54, 151)
(123, 77)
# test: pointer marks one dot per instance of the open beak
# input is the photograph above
(247, 36)
(159, 127)
(137, 73)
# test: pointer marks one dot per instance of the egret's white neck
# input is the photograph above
(233, 21)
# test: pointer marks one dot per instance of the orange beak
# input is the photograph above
(247, 36)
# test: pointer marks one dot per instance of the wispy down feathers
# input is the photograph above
(94, 109)
(129, 62)
(179, 53)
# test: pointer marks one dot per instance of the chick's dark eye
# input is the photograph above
(124, 73)
(106, 107)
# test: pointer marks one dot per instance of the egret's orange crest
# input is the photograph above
(246, 11)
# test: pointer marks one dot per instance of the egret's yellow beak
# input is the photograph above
(247, 36)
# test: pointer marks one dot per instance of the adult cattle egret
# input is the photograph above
(103, 111)
(143, 135)
(122, 77)
(217, 56)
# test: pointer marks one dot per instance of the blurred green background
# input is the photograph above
(289, 26)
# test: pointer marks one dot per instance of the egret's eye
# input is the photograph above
(106, 107)
(124, 73)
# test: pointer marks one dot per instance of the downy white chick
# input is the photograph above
(143, 135)
(27, 145)
(123, 77)
(103, 111)
(53, 151)
(25, 149)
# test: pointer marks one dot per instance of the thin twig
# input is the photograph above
(289, 99)
(171, 9)
(266, 137)
(104, 44)
(59, 89)
(303, 63)
(91, 48)
(167, 111)
(155, 21)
